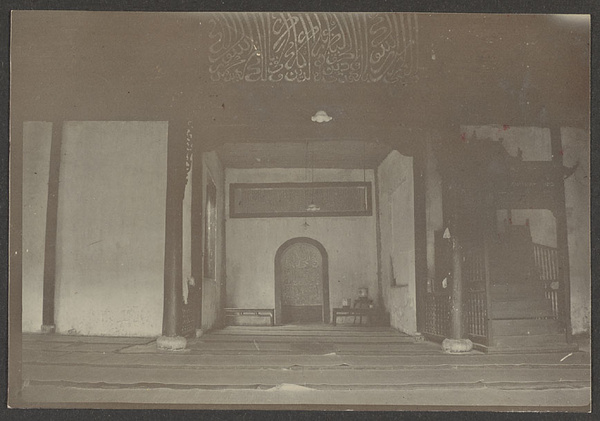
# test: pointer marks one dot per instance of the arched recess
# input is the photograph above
(279, 276)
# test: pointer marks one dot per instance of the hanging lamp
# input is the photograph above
(305, 225)
(312, 207)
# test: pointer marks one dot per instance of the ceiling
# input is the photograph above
(472, 69)
(317, 154)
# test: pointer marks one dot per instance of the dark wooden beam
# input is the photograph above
(450, 168)
(223, 276)
(380, 303)
(173, 289)
(15, 351)
(396, 136)
(197, 236)
(51, 229)
(420, 227)
(457, 319)
(560, 213)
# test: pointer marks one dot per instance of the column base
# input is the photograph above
(457, 346)
(171, 343)
(47, 329)
(418, 337)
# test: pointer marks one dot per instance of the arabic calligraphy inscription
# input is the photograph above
(322, 47)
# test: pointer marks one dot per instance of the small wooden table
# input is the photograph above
(258, 312)
(349, 311)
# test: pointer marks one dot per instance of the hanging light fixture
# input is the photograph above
(306, 224)
(312, 207)
(321, 117)
(364, 157)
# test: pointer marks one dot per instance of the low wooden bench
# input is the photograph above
(257, 312)
(356, 312)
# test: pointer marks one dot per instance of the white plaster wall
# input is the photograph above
(396, 202)
(252, 243)
(37, 137)
(542, 224)
(576, 147)
(111, 228)
(212, 289)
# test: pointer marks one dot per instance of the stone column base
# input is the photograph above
(457, 346)
(47, 329)
(171, 343)
(418, 337)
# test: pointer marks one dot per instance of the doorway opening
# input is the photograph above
(301, 282)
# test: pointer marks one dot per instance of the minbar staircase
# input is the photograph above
(522, 314)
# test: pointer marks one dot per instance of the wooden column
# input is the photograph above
(173, 289)
(453, 198)
(489, 231)
(420, 227)
(51, 229)
(457, 328)
(15, 244)
(457, 320)
(197, 231)
(380, 302)
(560, 214)
(223, 280)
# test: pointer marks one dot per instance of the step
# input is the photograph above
(555, 340)
(244, 377)
(293, 339)
(526, 327)
(521, 309)
(538, 396)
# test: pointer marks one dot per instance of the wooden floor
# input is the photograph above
(334, 367)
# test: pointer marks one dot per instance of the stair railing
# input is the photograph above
(547, 265)
(437, 314)
(475, 277)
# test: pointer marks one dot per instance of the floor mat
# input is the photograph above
(313, 348)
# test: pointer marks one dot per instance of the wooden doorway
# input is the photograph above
(301, 282)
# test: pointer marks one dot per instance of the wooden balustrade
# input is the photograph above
(477, 313)
(437, 314)
(547, 266)
(474, 272)
(438, 304)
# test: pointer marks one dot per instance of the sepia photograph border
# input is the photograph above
(11, 162)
